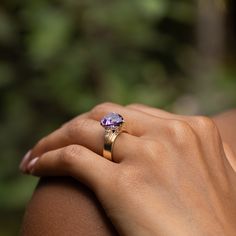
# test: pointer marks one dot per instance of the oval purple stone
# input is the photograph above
(112, 120)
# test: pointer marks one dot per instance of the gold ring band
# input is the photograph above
(113, 124)
(109, 139)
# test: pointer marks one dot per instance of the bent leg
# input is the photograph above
(63, 206)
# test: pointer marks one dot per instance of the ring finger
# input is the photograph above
(89, 133)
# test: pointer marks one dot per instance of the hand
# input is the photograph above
(170, 174)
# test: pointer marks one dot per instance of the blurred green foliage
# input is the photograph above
(60, 58)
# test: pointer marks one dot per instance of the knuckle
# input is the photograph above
(69, 154)
(205, 122)
(207, 126)
(182, 133)
(179, 127)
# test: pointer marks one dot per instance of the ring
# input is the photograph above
(113, 124)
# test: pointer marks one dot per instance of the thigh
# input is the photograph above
(63, 206)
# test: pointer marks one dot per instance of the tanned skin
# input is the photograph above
(62, 206)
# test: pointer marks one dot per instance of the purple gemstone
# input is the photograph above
(112, 120)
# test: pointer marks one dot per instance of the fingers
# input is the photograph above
(162, 114)
(76, 161)
(136, 122)
(86, 132)
(195, 122)
(203, 126)
(154, 111)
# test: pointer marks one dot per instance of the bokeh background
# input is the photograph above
(59, 58)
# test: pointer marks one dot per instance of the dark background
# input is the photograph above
(60, 58)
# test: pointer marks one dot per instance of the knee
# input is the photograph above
(63, 206)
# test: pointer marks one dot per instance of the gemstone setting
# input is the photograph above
(112, 121)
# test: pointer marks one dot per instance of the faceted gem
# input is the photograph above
(112, 120)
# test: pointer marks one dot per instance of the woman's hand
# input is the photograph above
(170, 175)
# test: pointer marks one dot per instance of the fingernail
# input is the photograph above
(31, 165)
(24, 161)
